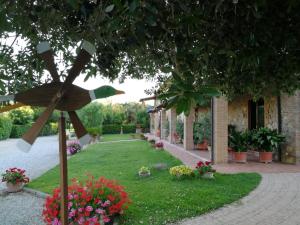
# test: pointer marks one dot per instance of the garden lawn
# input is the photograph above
(117, 137)
(158, 199)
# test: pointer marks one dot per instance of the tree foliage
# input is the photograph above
(238, 46)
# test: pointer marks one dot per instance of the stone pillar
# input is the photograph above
(220, 130)
(152, 123)
(290, 118)
(188, 142)
(163, 124)
(172, 125)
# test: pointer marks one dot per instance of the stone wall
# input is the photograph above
(290, 113)
(238, 113)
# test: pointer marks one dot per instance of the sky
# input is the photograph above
(134, 89)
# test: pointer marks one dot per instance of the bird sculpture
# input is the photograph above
(63, 96)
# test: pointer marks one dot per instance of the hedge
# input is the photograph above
(94, 131)
(5, 127)
(116, 128)
(111, 129)
(18, 130)
(129, 128)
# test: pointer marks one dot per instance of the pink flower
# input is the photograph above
(89, 208)
(81, 221)
(106, 203)
(106, 219)
(80, 210)
(70, 204)
(100, 211)
(56, 222)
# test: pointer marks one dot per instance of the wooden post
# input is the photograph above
(63, 170)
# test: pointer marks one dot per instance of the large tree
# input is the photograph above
(238, 46)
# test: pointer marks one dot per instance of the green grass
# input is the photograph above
(117, 137)
(158, 199)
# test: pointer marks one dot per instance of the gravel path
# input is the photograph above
(42, 157)
(23, 208)
(276, 201)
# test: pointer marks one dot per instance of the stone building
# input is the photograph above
(281, 113)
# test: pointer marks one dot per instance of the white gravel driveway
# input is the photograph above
(23, 208)
(42, 157)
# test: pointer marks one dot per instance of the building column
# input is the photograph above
(172, 125)
(188, 142)
(163, 123)
(152, 125)
(290, 121)
(220, 130)
(156, 122)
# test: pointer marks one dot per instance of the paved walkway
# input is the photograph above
(23, 208)
(276, 201)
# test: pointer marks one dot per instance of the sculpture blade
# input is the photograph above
(30, 136)
(81, 133)
(46, 54)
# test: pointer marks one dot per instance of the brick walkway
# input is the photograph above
(190, 158)
(276, 201)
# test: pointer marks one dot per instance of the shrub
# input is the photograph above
(22, 116)
(91, 115)
(18, 130)
(94, 131)
(111, 129)
(202, 129)
(179, 128)
(128, 128)
(181, 171)
(49, 129)
(5, 127)
(94, 202)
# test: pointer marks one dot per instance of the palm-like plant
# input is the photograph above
(181, 92)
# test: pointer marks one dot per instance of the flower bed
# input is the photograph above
(181, 171)
(93, 203)
(73, 147)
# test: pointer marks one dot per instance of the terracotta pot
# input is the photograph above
(265, 157)
(158, 133)
(203, 145)
(240, 157)
(14, 187)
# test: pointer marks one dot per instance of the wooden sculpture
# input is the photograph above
(63, 96)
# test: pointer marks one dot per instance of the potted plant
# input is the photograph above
(239, 144)
(202, 132)
(266, 141)
(181, 172)
(152, 142)
(159, 145)
(144, 172)
(99, 201)
(205, 169)
(15, 178)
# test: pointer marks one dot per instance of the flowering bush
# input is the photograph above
(73, 147)
(91, 204)
(204, 167)
(15, 176)
(159, 145)
(181, 171)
